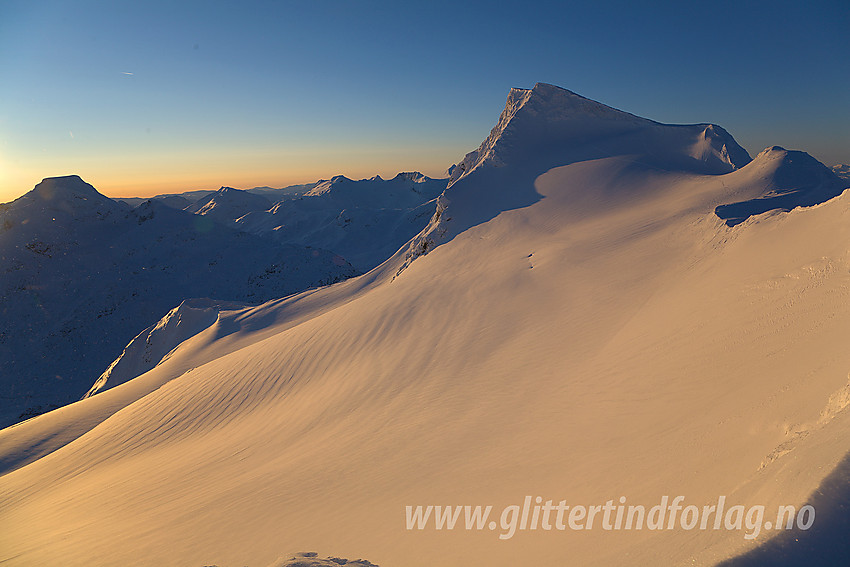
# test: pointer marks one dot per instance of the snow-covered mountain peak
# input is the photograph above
(548, 127)
(716, 143)
(791, 167)
(780, 179)
(383, 193)
(326, 186)
(364, 221)
(62, 183)
(59, 202)
(556, 103)
(414, 176)
(228, 203)
(70, 194)
(64, 186)
(547, 120)
(771, 152)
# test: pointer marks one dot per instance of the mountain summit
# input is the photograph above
(781, 179)
(547, 128)
(67, 196)
(65, 187)
(551, 120)
(228, 203)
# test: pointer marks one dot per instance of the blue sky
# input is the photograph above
(148, 97)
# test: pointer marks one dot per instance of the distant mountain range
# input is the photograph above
(83, 274)
(364, 221)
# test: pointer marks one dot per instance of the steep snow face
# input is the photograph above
(82, 274)
(779, 179)
(717, 148)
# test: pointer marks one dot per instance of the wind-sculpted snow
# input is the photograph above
(82, 275)
(781, 179)
(581, 327)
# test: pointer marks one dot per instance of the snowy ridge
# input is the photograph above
(716, 144)
(779, 179)
(516, 99)
(153, 345)
(548, 126)
(405, 190)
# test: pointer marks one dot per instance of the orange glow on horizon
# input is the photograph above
(14, 184)
(127, 174)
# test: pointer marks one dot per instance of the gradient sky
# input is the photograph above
(150, 97)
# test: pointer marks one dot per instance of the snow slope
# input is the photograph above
(82, 275)
(582, 326)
